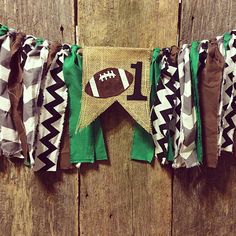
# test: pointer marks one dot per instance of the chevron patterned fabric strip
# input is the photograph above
(187, 149)
(166, 109)
(9, 138)
(222, 45)
(34, 58)
(229, 96)
(52, 115)
(175, 123)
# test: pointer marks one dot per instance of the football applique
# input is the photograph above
(109, 82)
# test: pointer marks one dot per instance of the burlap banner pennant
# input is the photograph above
(116, 74)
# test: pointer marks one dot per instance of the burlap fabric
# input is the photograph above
(99, 58)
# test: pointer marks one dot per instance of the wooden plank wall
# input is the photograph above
(123, 197)
(33, 204)
(204, 199)
(119, 197)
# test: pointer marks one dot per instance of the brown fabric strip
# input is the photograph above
(234, 146)
(210, 79)
(54, 47)
(15, 90)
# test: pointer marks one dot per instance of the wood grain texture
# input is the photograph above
(38, 204)
(120, 196)
(204, 199)
(128, 23)
(204, 19)
(52, 19)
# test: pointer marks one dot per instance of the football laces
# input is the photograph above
(107, 75)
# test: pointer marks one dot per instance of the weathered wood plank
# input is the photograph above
(127, 23)
(38, 204)
(203, 19)
(123, 197)
(203, 199)
(52, 20)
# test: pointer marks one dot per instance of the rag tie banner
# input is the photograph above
(182, 100)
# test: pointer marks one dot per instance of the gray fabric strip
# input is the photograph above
(10, 142)
(34, 58)
(187, 148)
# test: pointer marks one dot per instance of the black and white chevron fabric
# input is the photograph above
(52, 115)
(229, 96)
(203, 51)
(9, 139)
(165, 113)
(187, 148)
(34, 58)
(220, 42)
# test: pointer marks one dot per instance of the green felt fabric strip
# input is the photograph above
(99, 144)
(87, 145)
(227, 37)
(170, 153)
(154, 74)
(143, 146)
(3, 29)
(194, 62)
(39, 41)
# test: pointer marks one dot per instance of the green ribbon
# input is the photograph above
(39, 41)
(143, 147)
(3, 30)
(194, 61)
(87, 145)
(154, 74)
(227, 37)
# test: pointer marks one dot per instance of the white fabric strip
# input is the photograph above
(5, 103)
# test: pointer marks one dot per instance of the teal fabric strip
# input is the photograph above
(194, 61)
(143, 146)
(87, 145)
